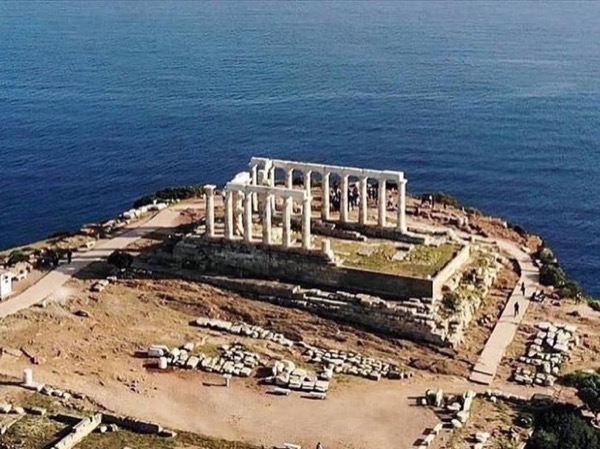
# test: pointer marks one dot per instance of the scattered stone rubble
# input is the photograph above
(459, 407)
(243, 329)
(287, 376)
(234, 360)
(331, 360)
(348, 362)
(547, 351)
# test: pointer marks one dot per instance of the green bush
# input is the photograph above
(552, 275)
(120, 260)
(563, 427)
(17, 256)
(588, 387)
(570, 290)
(451, 301)
(169, 194)
(473, 211)
(546, 256)
(594, 304)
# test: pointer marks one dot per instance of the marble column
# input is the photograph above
(266, 220)
(325, 194)
(308, 180)
(362, 214)
(382, 199)
(209, 191)
(229, 215)
(237, 213)
(344, 200)
(271, 173)
(287, 225)
(254, 182)
(248, 217)
(306, 215)
(402, 226)
(289, 178)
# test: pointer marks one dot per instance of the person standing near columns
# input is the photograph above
(209, 190)
(325, 196)
(344, 200)
(382, 198)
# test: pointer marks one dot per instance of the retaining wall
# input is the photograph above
(310, 267)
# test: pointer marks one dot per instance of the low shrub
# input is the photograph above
(551, 274)
(563, 427)
(546, 256)
(587, 384)
(594, 304)
(17, 256)
(120, 259)
(570, 289)
(451, 301)
(170, 194)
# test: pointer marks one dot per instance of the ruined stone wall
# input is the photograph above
(313, 267)
(460, 259)
(411, 318)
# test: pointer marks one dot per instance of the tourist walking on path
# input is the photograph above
(517, 307)
(319, 445)
(69, 256)
(523, 288)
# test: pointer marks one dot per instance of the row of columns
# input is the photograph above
(247, 214)
(269, 176)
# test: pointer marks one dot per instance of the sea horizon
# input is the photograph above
(493, 103)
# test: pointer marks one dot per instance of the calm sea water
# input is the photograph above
(497, 103)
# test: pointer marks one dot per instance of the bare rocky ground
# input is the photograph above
(99, 356)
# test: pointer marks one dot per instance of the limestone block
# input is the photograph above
(456, 424)
(463, 416)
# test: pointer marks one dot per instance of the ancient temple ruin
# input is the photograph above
(276, 222)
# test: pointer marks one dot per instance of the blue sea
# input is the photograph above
(495, 102)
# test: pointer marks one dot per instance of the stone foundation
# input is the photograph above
(297, 265)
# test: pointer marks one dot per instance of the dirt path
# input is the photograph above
(53, 281)
(506, 327)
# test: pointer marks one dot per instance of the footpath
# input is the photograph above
(506, 327)
(56, 278)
